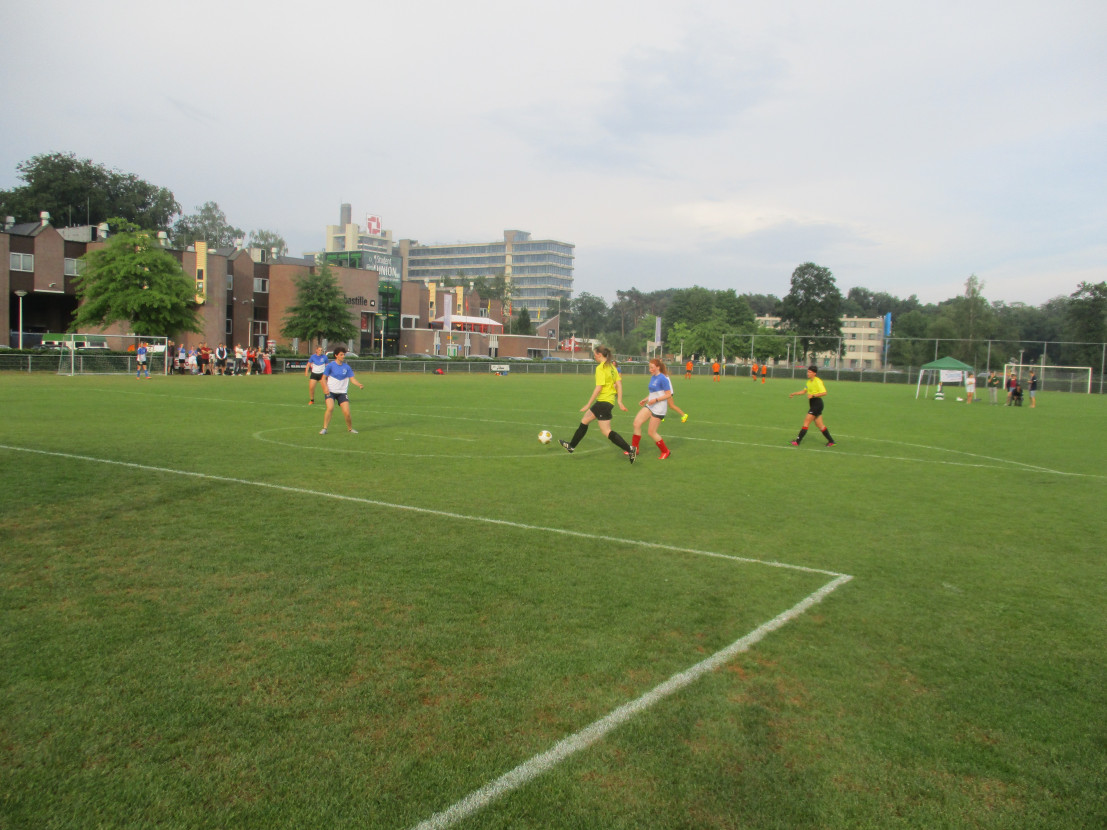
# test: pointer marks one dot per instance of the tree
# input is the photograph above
(1087, 322)
(134, 280)
(589, 315)
(763, 305)
(319, 312)
(813, 308)
(523, 324)
(81, 191)
(269, 241)
(209, 224)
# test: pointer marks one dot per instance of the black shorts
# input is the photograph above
(816, 406)
(602, 410)
(339, 397)
(318, 377)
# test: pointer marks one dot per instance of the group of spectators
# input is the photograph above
(204, 360)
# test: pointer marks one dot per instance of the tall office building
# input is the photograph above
(347, 236)
(539, 271)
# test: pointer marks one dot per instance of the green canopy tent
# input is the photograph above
(949, 364)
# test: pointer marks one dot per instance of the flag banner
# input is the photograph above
(657, 330)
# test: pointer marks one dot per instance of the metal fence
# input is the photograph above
(125, 364)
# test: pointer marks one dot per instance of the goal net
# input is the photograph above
(106, 354)
(1053, 378)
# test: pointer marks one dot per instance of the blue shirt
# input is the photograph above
(338, 377)
(318, 363)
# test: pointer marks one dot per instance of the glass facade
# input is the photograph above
(540, 271)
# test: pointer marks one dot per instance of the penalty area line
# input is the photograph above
(578, 741)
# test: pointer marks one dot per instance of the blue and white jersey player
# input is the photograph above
(338, 376)
(314, 372)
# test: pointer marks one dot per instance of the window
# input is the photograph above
(261, 286)
(74, 267)
(261, 327)
(230, 282)
(21, 262)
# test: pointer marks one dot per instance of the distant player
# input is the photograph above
(815, 391)
(339, 376)
(314, 372)
(688, 367)
(715, 371)
(753, 371)
(764, 371)
(140, 361)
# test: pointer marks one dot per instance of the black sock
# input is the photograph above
(803, 432)
(826, 435)
(616, 439)
(578, 436)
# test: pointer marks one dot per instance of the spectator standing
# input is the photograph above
(993, 388)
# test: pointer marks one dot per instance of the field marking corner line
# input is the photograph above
(590, 734)
(595, 731)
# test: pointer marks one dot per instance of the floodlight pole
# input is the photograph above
(21, 295)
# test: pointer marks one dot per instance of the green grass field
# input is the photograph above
(214, 617)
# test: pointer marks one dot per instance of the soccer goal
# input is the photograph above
(106, 354)
(1054, 378)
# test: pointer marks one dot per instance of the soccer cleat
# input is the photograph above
(795, 443)
(352, 431)
(633, 454)
(684, 418)
(323, 431)
(830, 443)
(665, 454)
(311, 402)
(565, 444)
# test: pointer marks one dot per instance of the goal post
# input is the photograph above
(107, 354)
(1053, 378)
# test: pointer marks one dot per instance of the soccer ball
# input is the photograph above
(545, 436)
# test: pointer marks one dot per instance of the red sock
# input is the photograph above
(634, 439)
(661, 446)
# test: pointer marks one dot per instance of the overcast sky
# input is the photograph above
(904, 146)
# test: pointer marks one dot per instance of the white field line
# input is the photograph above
(429, 511)
(539, 764)
(999, 463)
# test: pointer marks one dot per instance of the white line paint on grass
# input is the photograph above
(595, 731)
(539, 764)
(429, 511)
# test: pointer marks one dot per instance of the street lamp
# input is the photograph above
(21, 295)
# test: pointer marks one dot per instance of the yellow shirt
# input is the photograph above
(606, 376)
(815, 387)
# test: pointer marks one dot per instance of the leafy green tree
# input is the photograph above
(736, 310)
(1087, 322)
(762, 305)
(79, 191)
(268, 241)
(134, 280)
(589, 315)
(813, 308)
(209, 224)
(320, 311)
(523, 323)
(679, 339)
(908, 346)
